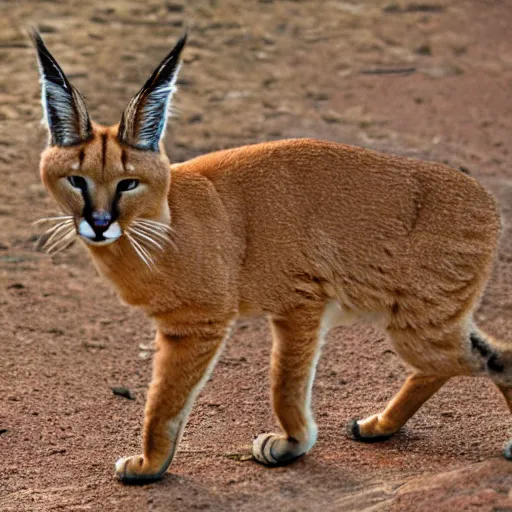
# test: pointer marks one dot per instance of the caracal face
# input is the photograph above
(111, 182)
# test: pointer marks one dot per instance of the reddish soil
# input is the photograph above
(253, 71)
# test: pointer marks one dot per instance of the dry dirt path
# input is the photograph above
(253, 71)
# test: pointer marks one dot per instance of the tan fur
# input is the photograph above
(312, 234)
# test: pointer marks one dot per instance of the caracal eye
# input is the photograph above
(77, 182)
(125, 185)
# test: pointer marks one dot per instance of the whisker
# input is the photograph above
(65, 245)
(50, 233)
(138, 249)
(56, 232)
(66, 240)
(46, 220)
(150, 240)
(144, 250)
(158, 225)
(164, 237)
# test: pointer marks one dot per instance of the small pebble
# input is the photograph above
(124, 392)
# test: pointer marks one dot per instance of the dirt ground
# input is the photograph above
(431, 80)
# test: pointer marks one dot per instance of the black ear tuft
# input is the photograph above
(144, 119)
(64, 107)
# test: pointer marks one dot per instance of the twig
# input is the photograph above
(388, 71)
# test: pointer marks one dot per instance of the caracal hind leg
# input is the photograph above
(507, 393)
(295, 352)
(416, 390)
(181, 366)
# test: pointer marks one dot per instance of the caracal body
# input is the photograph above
(312, 234)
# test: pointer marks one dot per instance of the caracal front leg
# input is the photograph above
(184, 359)
(416, 390)
(295, 352)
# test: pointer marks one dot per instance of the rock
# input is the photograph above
(16, 286)
(94, 345)
(317, 95)
(174, 7)
(124, 392)
(443, 70)
(424, 49)
(331, 117)
(195, 118)
(449, 490)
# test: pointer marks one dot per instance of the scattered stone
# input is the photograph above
(459, 49)
(388, 71)
(174, 7)
(240, 457)
(124, 392)
(424, 7)
(317, 95)
(392, 8)
(94, 344)
(424, 49)
(16, 286)
(13, 259)
(98, 19)
(332, 117)
(56, 331)
(267, 82)
(443, 70)
(195, 118)
(46, 29)
(55, 451)
(395, 8)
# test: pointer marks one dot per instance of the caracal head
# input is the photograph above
(109, 181)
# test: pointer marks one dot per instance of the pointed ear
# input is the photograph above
(64, 107)
(144, 119)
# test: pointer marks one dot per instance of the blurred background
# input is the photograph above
(426, 79)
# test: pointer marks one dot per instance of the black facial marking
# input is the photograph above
(103, 150)
(123, 159)
(87, 211)
(115, 205)
(81, 157)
